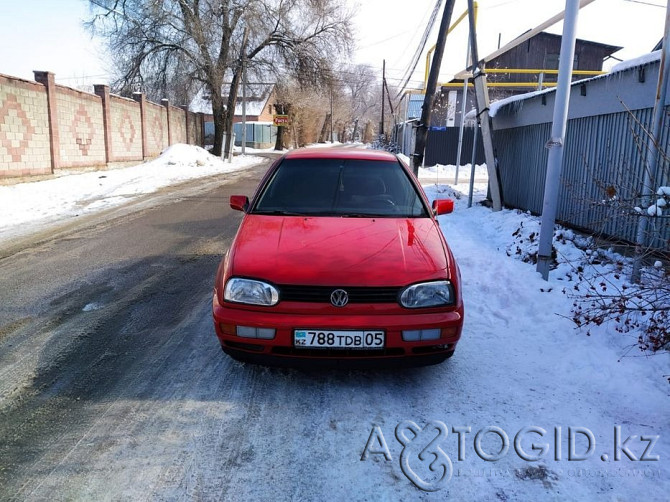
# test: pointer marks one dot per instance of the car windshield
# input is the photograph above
(340, 187)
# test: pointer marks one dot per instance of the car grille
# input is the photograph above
(321, 294)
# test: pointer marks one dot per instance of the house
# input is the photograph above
(538, 53)
(260, 101)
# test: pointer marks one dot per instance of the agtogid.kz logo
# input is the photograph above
(426, 464)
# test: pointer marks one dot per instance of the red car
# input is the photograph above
(339, 259)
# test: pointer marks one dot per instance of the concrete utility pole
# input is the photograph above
(461, 128)
(244, 106)
(482, 98)
(427, 108)
(331, 113)
(555, 143)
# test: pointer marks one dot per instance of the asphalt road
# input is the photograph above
(105, 333)
(113, 385)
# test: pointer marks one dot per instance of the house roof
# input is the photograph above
(256, 100)
(608, 49)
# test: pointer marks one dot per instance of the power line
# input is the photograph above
(422, 44)
(646, 3)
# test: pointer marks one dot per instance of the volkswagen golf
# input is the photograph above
(339, 260)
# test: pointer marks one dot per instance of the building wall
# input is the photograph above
(45, 127)
(24, 128)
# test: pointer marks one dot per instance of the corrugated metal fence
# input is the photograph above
(603, 171)
(442, 145)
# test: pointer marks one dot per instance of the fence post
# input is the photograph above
(187, 123)
(48, 80)
(201, 122)
(166, 104)
(142, 100)
(103, 92)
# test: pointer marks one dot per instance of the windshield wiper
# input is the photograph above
(366, 215)
(278, 212)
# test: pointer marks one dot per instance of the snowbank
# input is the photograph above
(29, 205)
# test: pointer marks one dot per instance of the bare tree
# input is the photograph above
(156, 43)
(361, 95)
(306, 107)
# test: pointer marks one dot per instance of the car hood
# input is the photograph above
(339, 251)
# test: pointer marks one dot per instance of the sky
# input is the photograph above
(49, 35)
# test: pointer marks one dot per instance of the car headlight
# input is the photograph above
(428, 294)
(250, 292)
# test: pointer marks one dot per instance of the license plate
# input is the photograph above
(324, 339)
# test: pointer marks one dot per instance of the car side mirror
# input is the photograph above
(443, 206)
(239, 202)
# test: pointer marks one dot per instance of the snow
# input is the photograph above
(495, 107)
(442, 173)
(521, 363)
(256, 100)
(26, 207)
(635, 62)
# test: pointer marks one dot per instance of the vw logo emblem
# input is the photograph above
(339, 298)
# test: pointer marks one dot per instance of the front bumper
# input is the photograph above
(281, 350)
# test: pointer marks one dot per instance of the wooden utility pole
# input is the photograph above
(427, 109)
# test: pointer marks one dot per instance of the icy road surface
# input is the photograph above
(113, 386)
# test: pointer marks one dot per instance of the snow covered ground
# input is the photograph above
(27, 207)
(529, 408)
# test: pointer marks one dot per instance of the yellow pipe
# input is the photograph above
(536, 71)
(548, 72)
(496, 84)
(451, 28)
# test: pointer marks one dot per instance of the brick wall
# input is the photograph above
(80, 122)
(126, 129)
(177, 118)
(195, 128)
(156, 129)
(45, 127)
(24, 128)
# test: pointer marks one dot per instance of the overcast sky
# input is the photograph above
(48, 34)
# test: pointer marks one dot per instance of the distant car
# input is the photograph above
(339, 259)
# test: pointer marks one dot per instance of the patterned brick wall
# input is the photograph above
(80, 122)
(177, 125)
(46, 127)
(126, 133)
(157, 129)
(195, 132)
(24, 128)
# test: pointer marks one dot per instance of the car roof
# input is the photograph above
(340, 153)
